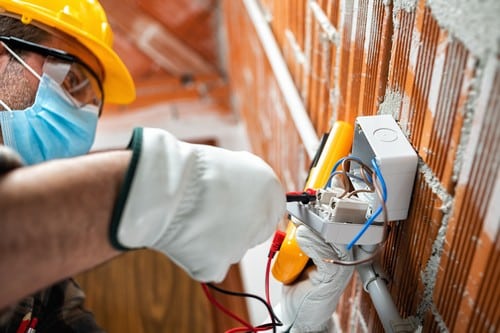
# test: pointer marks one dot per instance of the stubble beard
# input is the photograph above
(15, 89)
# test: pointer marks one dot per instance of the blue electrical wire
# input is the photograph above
(372, 218)
(336, 165)
(380, 179)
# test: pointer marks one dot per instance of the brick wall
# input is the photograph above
(435, 67)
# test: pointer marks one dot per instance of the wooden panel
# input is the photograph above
(143, 291)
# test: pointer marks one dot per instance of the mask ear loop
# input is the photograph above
(18, 58)
(6, 107)
(2, 103)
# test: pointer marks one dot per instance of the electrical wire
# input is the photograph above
(278, 238)
(368, 223)
(212, 299)
(305, 196)
(375, 183)
(249, 328)
(267, 287)
(365, 172)
(334, 169)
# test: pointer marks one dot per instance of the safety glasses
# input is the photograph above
(76, 78)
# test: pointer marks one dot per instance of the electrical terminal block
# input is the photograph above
(338, 221)
(333, 207)
(325, 196)
(349, 210)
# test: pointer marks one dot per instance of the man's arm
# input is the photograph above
(54, 220)
(62, 217)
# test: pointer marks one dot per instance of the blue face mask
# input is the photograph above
(53, 127)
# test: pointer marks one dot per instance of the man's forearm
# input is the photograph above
(54, 220)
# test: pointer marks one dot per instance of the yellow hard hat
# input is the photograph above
(86, 21)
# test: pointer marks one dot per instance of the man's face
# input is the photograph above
(18, 86)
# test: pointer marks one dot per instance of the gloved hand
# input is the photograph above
(202, 206)
(308, 304)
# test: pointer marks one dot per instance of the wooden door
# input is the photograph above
(143, 291)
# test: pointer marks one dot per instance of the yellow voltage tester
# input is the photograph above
(291, 260)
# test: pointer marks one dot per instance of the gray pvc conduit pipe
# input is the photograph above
(372, 276)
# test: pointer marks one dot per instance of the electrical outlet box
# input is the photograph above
(380, 138)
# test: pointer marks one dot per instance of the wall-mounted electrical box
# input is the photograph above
(380, 138)
(341, 217)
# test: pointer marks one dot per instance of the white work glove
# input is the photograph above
(308, 304)
(200, 205)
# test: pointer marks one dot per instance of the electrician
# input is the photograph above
(75, 211)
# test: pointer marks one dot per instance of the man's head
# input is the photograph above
(83, 21)
(61, 44)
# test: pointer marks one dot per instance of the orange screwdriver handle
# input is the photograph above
(291, 260)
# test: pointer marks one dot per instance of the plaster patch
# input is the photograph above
(353, 314)
(474, 23)
(276, 104)
(337, 326)
(437, 78)
(324, 22)
(439, 319)
(406, 5)
(361, 321)
(397, 105)
(404, 117)
(474, 118)
(357, 319)
(299, 56)
(492, 219)
(430, 272)
(429, 275)
(436, 187)
(307, 54)
(398, 5)
(414, 49)
(391, 104)
(369, 34)
(287, 178)
(354, 10)
(334, 98)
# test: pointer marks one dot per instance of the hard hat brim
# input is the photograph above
(118, 84)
